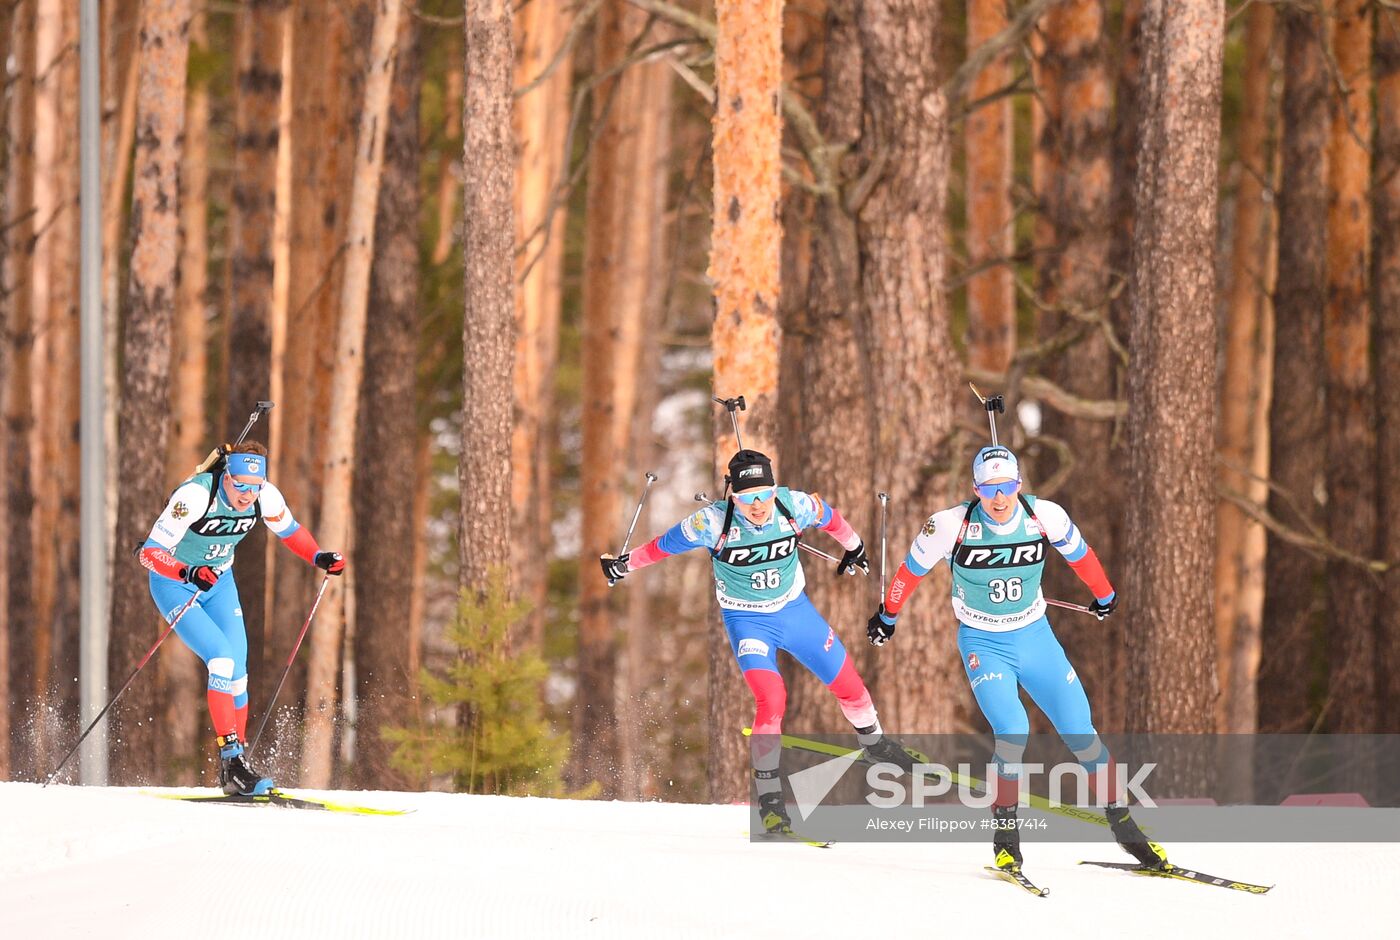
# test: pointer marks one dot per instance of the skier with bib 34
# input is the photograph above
(752, 538)
(996, 545)
(190, 552)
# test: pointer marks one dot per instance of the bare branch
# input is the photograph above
(1317, 546)
(1039, 388)
(982, 56)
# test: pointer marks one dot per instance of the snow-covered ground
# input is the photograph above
(115, 863)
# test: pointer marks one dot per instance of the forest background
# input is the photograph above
(492, 261)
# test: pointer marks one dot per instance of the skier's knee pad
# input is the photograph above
(221, 674)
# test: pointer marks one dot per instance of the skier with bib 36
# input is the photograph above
(996, 545)
(190, 552)
(752, 539)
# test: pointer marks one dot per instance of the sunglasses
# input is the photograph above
(992, 490)
(245, 487)
(748, 499)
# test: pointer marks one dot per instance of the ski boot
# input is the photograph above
(1133, 840)
(235, 776)
(886, 750)
(772, 812)
(1006, 843)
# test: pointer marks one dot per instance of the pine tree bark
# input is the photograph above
(1076, 202)
(19, 412)
(1126, 131)
(320, 150)
(336, 522)
(987, 134)
(541, 118)
(258, 90)
(1171, 531)
(828, 421)
(619, 257)
(145, 407)
(1296, 427)
(1237, 606)
(488, 341)
(1387, 291)
(902, 234)
(1350, 388)
(55, 308)
(746, 245)
(180, 668)
(386, 452)
(6, 347)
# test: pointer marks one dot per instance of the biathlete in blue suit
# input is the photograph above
(190, 554)
(996, 546)
(752, 539)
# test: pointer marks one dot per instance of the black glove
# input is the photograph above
(329, 562)
(202, 577)
(1103, 610)
(853, 559)
(876, 630)
(614, 569)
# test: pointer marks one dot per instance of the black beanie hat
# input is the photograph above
(749, 468)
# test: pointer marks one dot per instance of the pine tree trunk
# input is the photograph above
(388, 440)
(180, 668)
(488, 332)
(1077, 203)
(55, 308)
(320, 147)
(617, 269)
(1350, 389)
(1170, 533)
(145, 407)
(746, 245)
(19, 411)
(828, 422)
(6, 352)
(450, 162)
(1387, 288)
(1295, 423)
(1126, 131)
(991, 294)
(541, 116)
(258, 90)
(1237, 626)
(902, 234)
(335, 525)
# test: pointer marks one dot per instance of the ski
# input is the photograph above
(280, 798)
(790, 837)
(1016, 877)
(1184, 874)
(1080, 813)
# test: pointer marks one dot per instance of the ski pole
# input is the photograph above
(290, 659)
(263, 406)
(651, 478)
(884, 512)
(139, 666)
(995, 404)
(734, 405)
(1068, 606)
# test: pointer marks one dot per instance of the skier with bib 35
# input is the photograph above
(752, 539)
(190, 552)
(996, 545)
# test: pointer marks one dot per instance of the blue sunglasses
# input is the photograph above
(748, 499)
(992, 490)
(245, 487)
